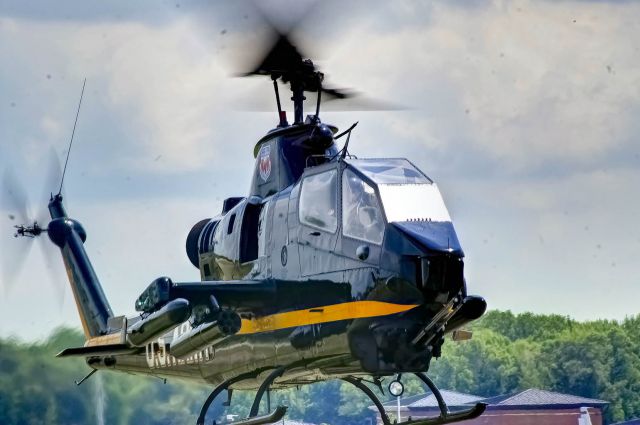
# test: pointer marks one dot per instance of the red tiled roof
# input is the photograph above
(536, 397)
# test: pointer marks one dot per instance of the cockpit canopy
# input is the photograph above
(407, 193)
(373, 192)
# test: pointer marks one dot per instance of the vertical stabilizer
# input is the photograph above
(69, 236)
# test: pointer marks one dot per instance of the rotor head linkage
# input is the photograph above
(28, 231)
(285, 62)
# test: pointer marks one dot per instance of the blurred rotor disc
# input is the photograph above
(14, 251)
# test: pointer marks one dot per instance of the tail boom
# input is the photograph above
(69, 236)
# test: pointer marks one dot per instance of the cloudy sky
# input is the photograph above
(525, 113)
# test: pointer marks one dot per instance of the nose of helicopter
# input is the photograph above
(438, 258)
(434, 236)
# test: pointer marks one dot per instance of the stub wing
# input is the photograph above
(165, 305)
(242, 296)
(99, 350)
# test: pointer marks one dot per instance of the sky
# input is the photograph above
(524, 113)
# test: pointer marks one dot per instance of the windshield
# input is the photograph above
(406, 193)
(406, 202)
(390, 171)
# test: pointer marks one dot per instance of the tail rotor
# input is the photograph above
(29, 221)
(14, 201)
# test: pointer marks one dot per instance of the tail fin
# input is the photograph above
(69, 236)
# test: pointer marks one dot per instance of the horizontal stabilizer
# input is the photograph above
(99, 350)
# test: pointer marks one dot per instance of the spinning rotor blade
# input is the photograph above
(55, 271)
(14, 212)
(51, 182)
(262, 101)
(14, 198)
(359, 102)
(284, 59)
(279, 50)
(14, 251)
(331, 94)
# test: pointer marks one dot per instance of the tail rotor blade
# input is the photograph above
(51, 181)
(15, 212)
(13, 253)
(14, 198)
(54, 270)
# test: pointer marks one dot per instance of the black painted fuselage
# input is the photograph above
(334, 266)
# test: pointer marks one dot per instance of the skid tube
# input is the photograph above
(253, 418)
(445, 417)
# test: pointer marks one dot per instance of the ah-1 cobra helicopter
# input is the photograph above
(332, 267)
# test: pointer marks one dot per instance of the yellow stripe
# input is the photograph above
(328, 313)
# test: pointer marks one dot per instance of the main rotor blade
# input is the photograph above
(331, 94)
(282, 58)
(358, 102)
(284, 49)
(262, 101)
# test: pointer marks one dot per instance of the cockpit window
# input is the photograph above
(406, 193)
(390, 171)
(361, 213)
(407, 202)
(318, 201)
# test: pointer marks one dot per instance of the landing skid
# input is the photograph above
(472, 413)
(271, 418)
(253, 418)
(446, 417)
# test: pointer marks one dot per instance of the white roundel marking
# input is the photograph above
(264, 162)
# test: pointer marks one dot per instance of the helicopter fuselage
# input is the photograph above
(350, 267)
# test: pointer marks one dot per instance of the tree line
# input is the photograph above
(508, 353)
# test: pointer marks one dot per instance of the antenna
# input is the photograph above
(346, 145)
(72, 134)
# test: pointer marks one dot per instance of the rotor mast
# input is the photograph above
(298, 101)
(285, 63)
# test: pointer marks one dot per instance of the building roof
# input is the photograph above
(532, 398)
(452, 398)
(404, 401)
(535, 397)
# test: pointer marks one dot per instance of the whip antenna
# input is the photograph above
(72, 134)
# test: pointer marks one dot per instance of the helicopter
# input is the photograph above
(331, 267)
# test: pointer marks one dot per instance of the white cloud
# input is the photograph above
(165, 87)
(130, 243)
(524, 82)
(516, 90)
(553, 245)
